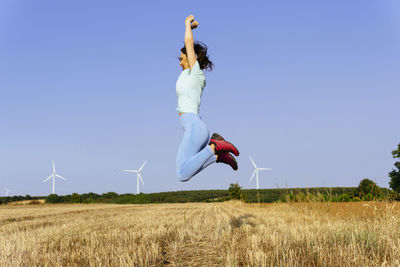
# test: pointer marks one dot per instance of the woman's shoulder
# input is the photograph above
(196, 69)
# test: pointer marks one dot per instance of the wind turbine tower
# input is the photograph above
(54, 175)
(256, 170)
(138, 176)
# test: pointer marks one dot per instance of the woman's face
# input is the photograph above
(183, 61)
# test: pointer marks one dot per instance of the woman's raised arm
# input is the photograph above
(189, 41)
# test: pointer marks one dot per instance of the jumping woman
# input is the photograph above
(196, 151)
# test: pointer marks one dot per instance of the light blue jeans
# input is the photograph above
(194, 154)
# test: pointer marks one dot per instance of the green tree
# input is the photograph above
(344, 198)
(53, 198)
(76, 198)
(366, 187)
(110, 195)
(235, 192)
(89, 197)
(395, 174)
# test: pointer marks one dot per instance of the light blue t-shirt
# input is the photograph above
(189, 88)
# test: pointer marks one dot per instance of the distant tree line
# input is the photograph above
(366, 191)
(164, 197)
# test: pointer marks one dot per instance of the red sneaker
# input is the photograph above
(224, 146)
(227, 158)
(217, 137)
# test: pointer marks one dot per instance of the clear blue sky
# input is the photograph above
(310, 89)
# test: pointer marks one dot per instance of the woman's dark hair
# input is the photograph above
(201, 51)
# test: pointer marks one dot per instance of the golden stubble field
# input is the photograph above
(201, 234)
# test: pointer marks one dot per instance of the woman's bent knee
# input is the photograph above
(181, 176)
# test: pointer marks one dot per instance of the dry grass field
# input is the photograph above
(197, 234)
(27, 202)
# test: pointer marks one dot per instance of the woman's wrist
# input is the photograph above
(188, 25)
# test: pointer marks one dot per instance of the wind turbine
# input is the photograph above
(54, 175)
(256, 171)
(138, 176)
(7, 191)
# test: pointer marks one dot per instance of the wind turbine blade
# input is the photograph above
(130, 171)
(141, 179)
(59, 176)
(54, 167)
(264, 169)
(254, 172)
(141, 167)
(47, 178)
(252, 161)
